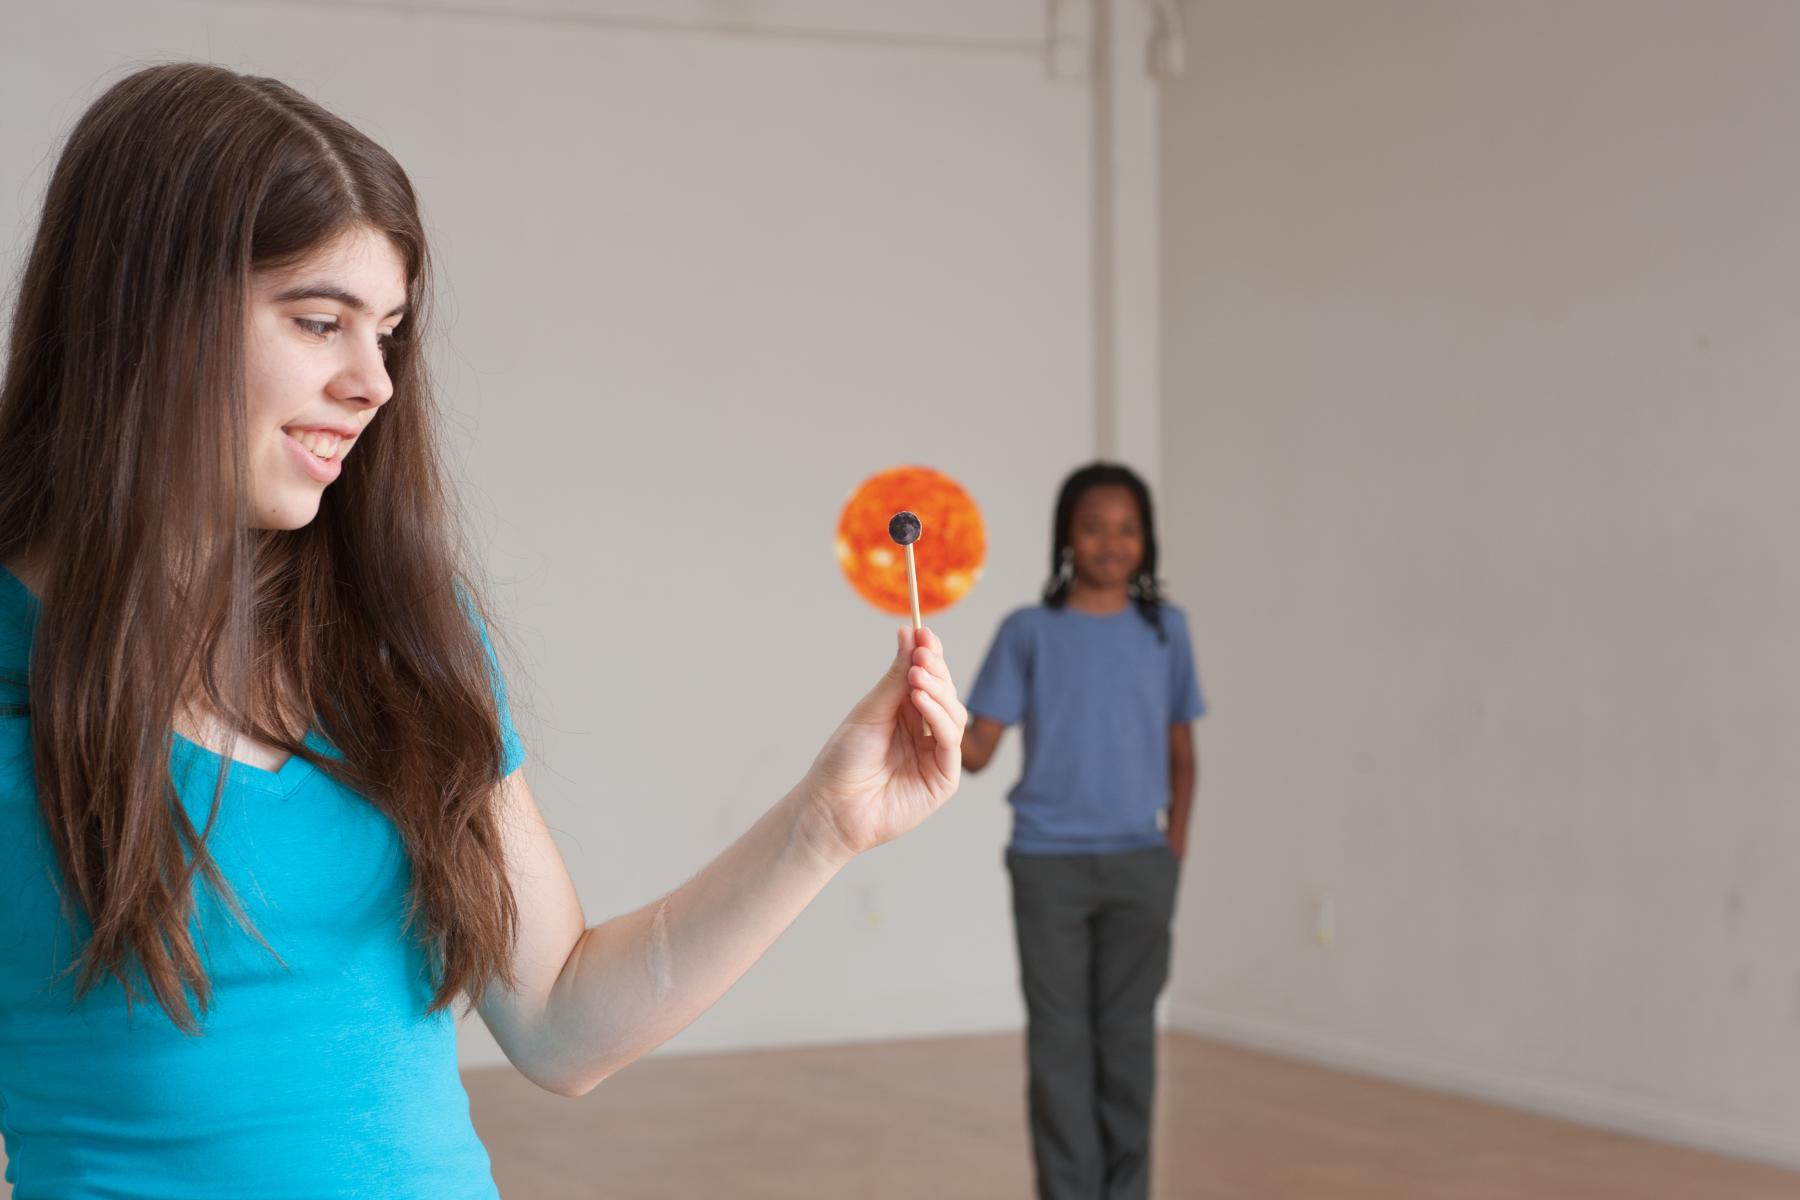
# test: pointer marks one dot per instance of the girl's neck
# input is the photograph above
(1098, 601)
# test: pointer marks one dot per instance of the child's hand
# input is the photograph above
(879, 775)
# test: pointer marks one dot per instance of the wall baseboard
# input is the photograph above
(1648, 1119)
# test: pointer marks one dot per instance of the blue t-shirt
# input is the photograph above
(1097, 695)
(323, 1077)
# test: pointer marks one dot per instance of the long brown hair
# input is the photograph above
(122, 469)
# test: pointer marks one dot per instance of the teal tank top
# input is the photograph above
(317, 1076)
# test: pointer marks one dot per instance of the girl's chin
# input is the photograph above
(290, 512)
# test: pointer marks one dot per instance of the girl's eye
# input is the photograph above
(321, 329)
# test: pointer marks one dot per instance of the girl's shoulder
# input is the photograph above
(1037, 624)
(1027, 619)
(1175, 635)
(1022, 629)
(1039, 614)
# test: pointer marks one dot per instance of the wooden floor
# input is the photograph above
(944, 1119)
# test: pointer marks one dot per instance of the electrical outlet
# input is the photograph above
(1325, 920)
(866, 905)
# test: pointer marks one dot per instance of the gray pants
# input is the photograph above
(1093, 956)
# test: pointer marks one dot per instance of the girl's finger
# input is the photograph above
(883, 700)
(944, 732)
(929, 653)
(906, 646)
(933, 665)
(932, 662)
(939, 688)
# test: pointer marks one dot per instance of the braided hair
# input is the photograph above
(1144, 589)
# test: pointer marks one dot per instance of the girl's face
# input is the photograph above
(1106, 533)
(315, 347)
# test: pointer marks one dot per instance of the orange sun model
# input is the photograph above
(949, 552)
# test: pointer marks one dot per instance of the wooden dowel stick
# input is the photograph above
(912, 591)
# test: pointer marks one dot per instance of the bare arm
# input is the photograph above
(591, 1000)
(1184, 774)
(588, 1001)
(980, 742)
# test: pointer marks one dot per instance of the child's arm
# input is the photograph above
(1184, 773)
(980, 741)
(586, 1001)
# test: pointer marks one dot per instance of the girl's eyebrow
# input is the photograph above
(331, 291)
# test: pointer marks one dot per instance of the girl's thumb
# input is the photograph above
(892, 686)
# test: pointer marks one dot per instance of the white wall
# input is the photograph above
(1477, 345)
(1481, 355)
(697, 282)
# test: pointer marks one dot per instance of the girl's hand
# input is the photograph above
(879, 775)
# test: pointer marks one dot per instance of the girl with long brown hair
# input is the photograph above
(262, 822)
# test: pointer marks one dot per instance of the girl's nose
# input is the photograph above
(364, 379)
